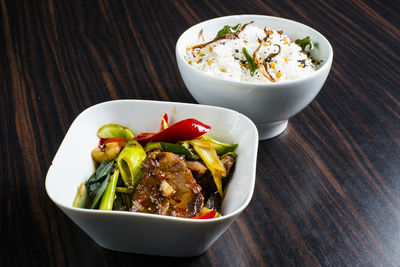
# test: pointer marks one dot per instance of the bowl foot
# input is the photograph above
(270, 130)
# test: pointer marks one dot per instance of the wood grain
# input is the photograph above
(327, 190)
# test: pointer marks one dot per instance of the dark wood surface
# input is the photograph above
(327, 190)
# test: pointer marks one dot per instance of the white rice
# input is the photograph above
(225, 59)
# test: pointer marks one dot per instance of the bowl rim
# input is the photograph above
(148, 215)
(324, 68)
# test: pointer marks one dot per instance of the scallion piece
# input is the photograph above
(98, 193)
(130, 162)
(253, 66)
(221, 148)
(205, 149)
(102, 171)
(108, 198)
(82, 199)
(115, 130)
(98, 182)
(124, 190)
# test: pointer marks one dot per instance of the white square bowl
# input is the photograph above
(147, 233)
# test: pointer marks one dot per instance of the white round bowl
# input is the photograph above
(141, 232)
(269, 105)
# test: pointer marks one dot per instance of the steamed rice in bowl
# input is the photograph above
(273, 91)
(251, 54)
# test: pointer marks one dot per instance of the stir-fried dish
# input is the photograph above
(178, 171)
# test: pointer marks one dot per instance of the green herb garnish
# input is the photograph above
(250, 61)
(227, 29)
(304, 42)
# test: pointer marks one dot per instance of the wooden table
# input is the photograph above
(327, 189)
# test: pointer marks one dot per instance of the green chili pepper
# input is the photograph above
(169, 147)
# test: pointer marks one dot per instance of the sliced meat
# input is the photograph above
(197, 168)
(167, 187)
(213, 201)
(228, 162)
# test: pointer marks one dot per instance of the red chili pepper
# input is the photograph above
(120, 140)
(207, 215)
(181, 131)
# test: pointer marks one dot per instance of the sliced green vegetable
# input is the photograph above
(232, 154)
(253, 66)
(98, 182)
(127, 200)
(130, 162)
(174, 148)
(221, 148)
(185, 144)
(124, 190)
(96, 191)
(208, 154)
(152, 146)
(227, 29)
(119, 202)
(101, 172)
(180, 150)
(108, 198)
(115, 130)
(82, 199)
(303, 43)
